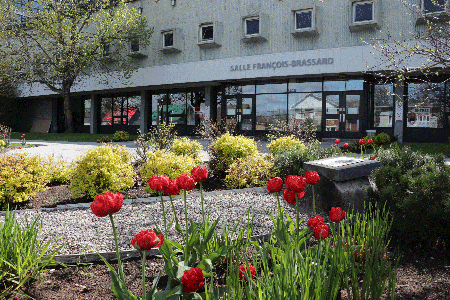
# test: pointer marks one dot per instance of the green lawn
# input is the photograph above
(429, 148)
(69, 137)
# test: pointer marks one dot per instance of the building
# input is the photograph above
(256, 62)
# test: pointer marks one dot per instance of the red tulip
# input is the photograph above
(289, 196)
(171, 189)
(146, 240)
(314, 222)
(345, 145)
(275, 185)
(370, 141)
(199, 173)
(158, 183)
(295, 183)
(312, 177)
(337, 141)
(244, 269)
(321, 231)
(107, 204)
(192, 280)
(185, 182)
(362, 141)
(336, 214)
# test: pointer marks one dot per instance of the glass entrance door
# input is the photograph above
(241, 110)
(342, 114)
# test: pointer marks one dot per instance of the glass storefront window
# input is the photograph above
(106, 111)
(426, 103)
(134, 115)
(303, 106)
(87, 112)
(269, 109)
(305, 87)
(196, 109)
(334, 86)
(383, 111)
(240, 89)
(354, 85)
(271, 88)
(177, 108)
(120, 110)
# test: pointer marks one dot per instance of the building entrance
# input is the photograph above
(241, 109)
(342, 114)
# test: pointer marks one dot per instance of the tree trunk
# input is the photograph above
(68, 118)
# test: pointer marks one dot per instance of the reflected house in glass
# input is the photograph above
(310, 106)
(256, 65)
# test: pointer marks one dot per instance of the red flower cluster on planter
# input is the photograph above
(312, 177)
(158, 183)
(146, 240)
(199, 173)
(244, 269)
(275, 185)
(192, 280)
(336, 214)
(107, 204)
(185, 182)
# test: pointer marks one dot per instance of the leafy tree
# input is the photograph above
(429, 43)
(59, 43)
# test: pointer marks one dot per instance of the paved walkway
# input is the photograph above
(69, 151)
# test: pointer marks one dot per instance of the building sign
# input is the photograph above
(282, 64)
(421, 110)
(399, 111)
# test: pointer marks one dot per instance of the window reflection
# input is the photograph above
(303, 106)
(426, 105)
(269, 109)
(271, 88)
(383, 105)
(240, 89)
(305, 87)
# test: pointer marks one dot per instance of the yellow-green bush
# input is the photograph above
(284, 143)
(250, 171)
(21, 177)
(2, 143)
(104, 169)
(166, 163)
(185, 146)
(57, 170)
(226, 149)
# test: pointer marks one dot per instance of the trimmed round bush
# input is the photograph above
(57, 170)
(226, 149)
(166, 163)
(21, 177)
(185, 146)
(283, 143)
(104, 169)
(250, 171)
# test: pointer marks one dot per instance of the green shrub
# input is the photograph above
(416, 189)
(104, 169)
(290, 161)
(23, 252)
(157, 138)
(104, 139)
(21, 177)
(283, 143)
(2, 143)
(382, 139)
(57, 170)
(185, 146)
(250, 171)
(226, 149)
(120, 136)
(166, 163)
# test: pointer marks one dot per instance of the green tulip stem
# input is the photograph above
(203, 209)
(279, 204)
(297, 217)
(314, 200)
(174, 212)
(119, 262)
(164, 215)
(361, 152)
(144, 256)
(186, 220)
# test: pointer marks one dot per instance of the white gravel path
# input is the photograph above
(83, 232)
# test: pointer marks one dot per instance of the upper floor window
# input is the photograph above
(167, 39)
(304, 19)
(363, 12)
(252, 26)
(206, 33)
(433, 6)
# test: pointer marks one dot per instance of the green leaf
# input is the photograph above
(181, 269)
(206, 265)
(178, 290)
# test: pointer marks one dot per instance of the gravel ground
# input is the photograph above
(83, 232)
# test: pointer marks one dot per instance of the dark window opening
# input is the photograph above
(168, 39)
(207, 33)
(303, 19)
(431, 6)
(363, 12)
(252, 26)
